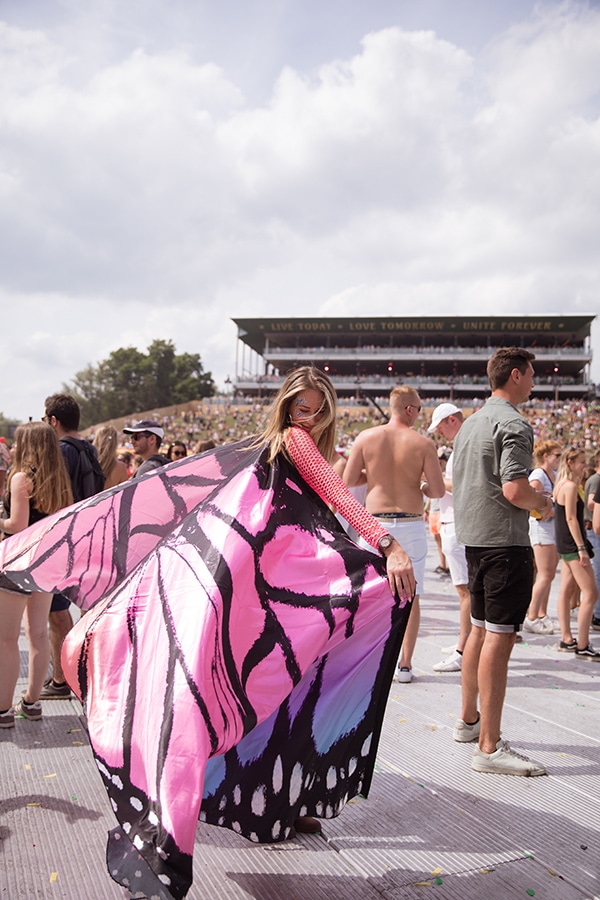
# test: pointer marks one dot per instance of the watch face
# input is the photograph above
(385, 542)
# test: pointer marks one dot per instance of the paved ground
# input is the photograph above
(430, 828)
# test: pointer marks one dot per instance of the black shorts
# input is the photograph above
(500, 582)
(59, 603)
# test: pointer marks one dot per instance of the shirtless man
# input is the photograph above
(399, 466)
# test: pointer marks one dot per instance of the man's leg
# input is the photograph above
(61, 622)
(464, 598)
(492, 676)
(470, 674)
(410, 635)
(595, 542)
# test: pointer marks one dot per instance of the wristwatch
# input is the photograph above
(385, 542)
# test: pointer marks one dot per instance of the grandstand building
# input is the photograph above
(441, 356)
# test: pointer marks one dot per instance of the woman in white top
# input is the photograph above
(546, 456)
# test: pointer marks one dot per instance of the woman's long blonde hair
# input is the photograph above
(106, 442)
(564, 469)
(278, 416)
(38, 456)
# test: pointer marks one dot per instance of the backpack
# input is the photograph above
(88, 478)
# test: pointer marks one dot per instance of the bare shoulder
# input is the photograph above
(370, 435)
(425, 444)
(21, 484)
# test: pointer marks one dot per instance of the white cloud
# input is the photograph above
(142, 195)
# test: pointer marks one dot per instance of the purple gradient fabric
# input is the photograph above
(236, 658)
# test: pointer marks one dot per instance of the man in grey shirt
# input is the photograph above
(492, 501)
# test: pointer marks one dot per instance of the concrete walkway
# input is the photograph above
(430, 828)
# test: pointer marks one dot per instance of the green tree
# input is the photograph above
(7, 426)
(129, 381)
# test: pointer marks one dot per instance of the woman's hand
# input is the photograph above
(584, 559)
(400, 572)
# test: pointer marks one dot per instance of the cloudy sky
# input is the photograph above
(166, 165)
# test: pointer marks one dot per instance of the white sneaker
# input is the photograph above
(452, 663)
(504, 761)
(464, 733)
(404, 675)
(538, 626)
(549, 625)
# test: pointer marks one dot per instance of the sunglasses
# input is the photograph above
(178, 453)
(139, 434)
(412, 406)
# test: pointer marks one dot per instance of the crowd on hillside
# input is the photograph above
(572, 423)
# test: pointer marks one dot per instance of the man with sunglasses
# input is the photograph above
(146, 437)
(399, 466)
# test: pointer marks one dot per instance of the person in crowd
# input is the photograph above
(591, 486)
(126, 457)
(492, 500)
(106, 443)
(63, 414)
(176, 450)
(546, 456)
(399, 467)
(575, 550)
(247, 645)
(432, 516)
(146, 437)
(203, 446)
(4, 463)
(38, 485)
(447, 421)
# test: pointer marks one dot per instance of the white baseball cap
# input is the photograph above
(440, 413)
(148, 425)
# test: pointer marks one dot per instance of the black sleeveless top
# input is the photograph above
(34, 514)
(564, 538)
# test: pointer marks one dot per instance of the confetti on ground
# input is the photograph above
(73, 796)
(531, 892)
(27, 766)
(438, 880)
(77, 743)
(73, 730)
(34, 804)
(50, 776)
(486, 871)
(422, 884)
(437, 871)
(54, 876)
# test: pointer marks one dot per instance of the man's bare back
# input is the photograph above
(396, 460)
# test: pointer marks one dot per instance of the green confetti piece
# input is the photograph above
(438, 880)
(531, 892)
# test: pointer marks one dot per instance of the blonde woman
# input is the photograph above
(575, 551)
(106, 443)
(38, 485)
(274, 638)
(301, 426)
(546, 455)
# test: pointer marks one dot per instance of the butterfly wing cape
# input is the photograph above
(235, 660)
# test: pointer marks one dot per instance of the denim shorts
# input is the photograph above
(500, 583)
